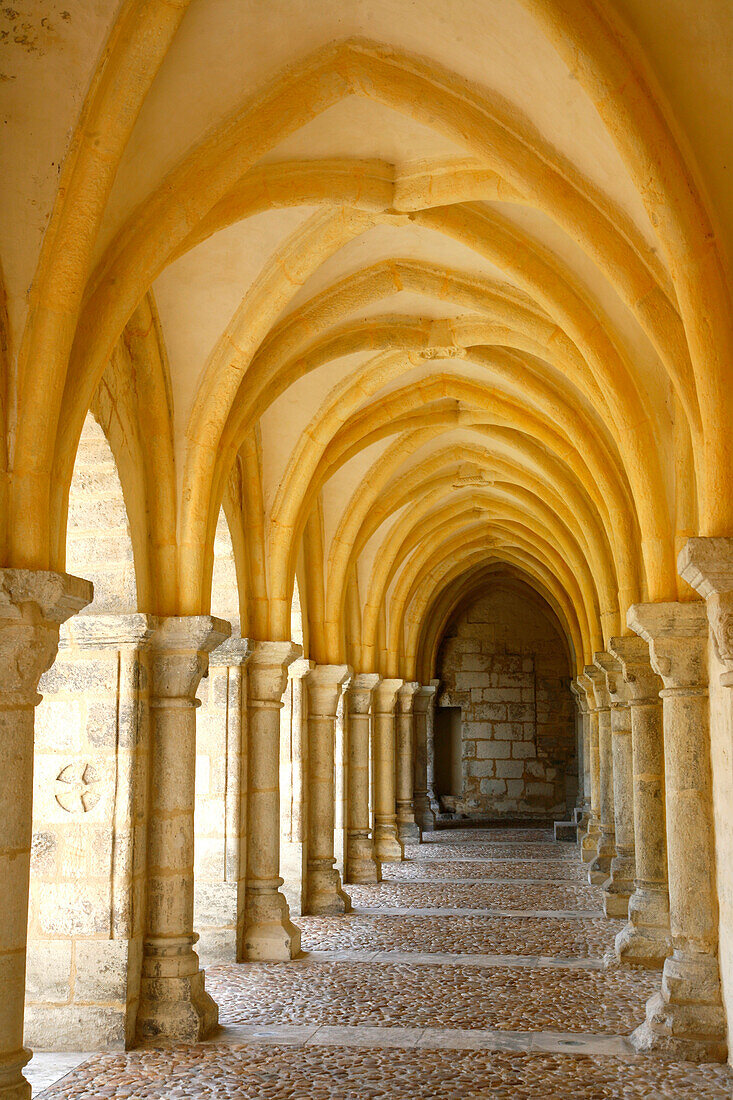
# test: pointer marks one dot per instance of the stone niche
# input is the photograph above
(505, 663)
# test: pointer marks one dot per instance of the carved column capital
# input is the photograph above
(611, 667)
(361, 689)
(406, 696)
(424, 698)
(585, 695)
(325, 685)
(181, 645)
(707, 565)
(642, 682)
(385, 696)
(599, 687)
(235, 651)
(268, 671)
(677, 634)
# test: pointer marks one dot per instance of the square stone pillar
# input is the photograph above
(620, 885)
(174, 1005)
(387, 845)
(33, 604)
(361, 862)
(324, 895)
(600, 867)
(423, 703)
(220, 818)
(270, 935)
(686, 1019)
(645, 941)
(430, 743)
(582, 810)
(88, 867)
(408, 829)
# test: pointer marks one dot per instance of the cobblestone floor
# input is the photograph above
(342, 1029)
(350, 1073)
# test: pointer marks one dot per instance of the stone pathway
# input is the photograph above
(474, 970)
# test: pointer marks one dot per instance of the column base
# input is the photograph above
(13, 1085)
(588, 844)
(361, 865)
(424, 816)
(619, 887)
(269, 934)
(387, 847)
(408, 832)
(599, 871)
(646, 940)
(174, 1005)
(686, 1020)
(324, 895)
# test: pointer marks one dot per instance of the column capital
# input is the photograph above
(268, 670)
(385, 695)
(599, 686)
(611, 666)
(325, 684)
(406, 696)
(33, 604)
(580, 694)
(585, 685)
(181, 645)
(677, 634)
(361, 689)
(300, 667)
(707, 565)
(424, 698)
(233, 651)
(642, 682)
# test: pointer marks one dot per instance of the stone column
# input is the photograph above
(220, 820)
(361, 863)
(270, 936)
(324, 895)
(645, 941)
(620, 884)
(408, 830)
(589, 837)
(173, 1002)
(33, 604)
(600, 867)
(423, 702)
(387, 846)
(430, 748)
(293, 785)
(686, 1019)
(582, 810)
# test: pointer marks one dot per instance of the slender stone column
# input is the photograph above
(430, 746)
(361, 863)
(324, 895)
(408, 830)
(270, 936)
(387, 846)
(294, 785)
(620, 885)
(582, 810)
(589, 838)
(645, 941)
(423, 702)
(173, 1002)
(33, 604)
(686, 1019)
(600, 867)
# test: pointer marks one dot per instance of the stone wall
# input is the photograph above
(504, 662)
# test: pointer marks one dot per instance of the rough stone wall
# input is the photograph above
(503, 662)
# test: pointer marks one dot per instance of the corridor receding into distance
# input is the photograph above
(366, 522)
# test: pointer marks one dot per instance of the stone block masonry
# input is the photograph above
(504, 664)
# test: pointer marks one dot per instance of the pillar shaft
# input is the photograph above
(173, 1002)
(423, 703)
(686, 1018)
(32, 607)
(430, 750)
(361, 863)
(387, 846)
(270, 935)
(589, 838)
(408, 830)
(600, 867)
(323, 888)
(645, 941)
(582, 811)
(618, 888)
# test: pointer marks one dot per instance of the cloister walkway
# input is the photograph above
(475, 969)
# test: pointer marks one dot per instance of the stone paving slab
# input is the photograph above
(506, 998)
(484, 850)
(445, 958)
(515, 896)
(459, 933)
(318, 1072)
